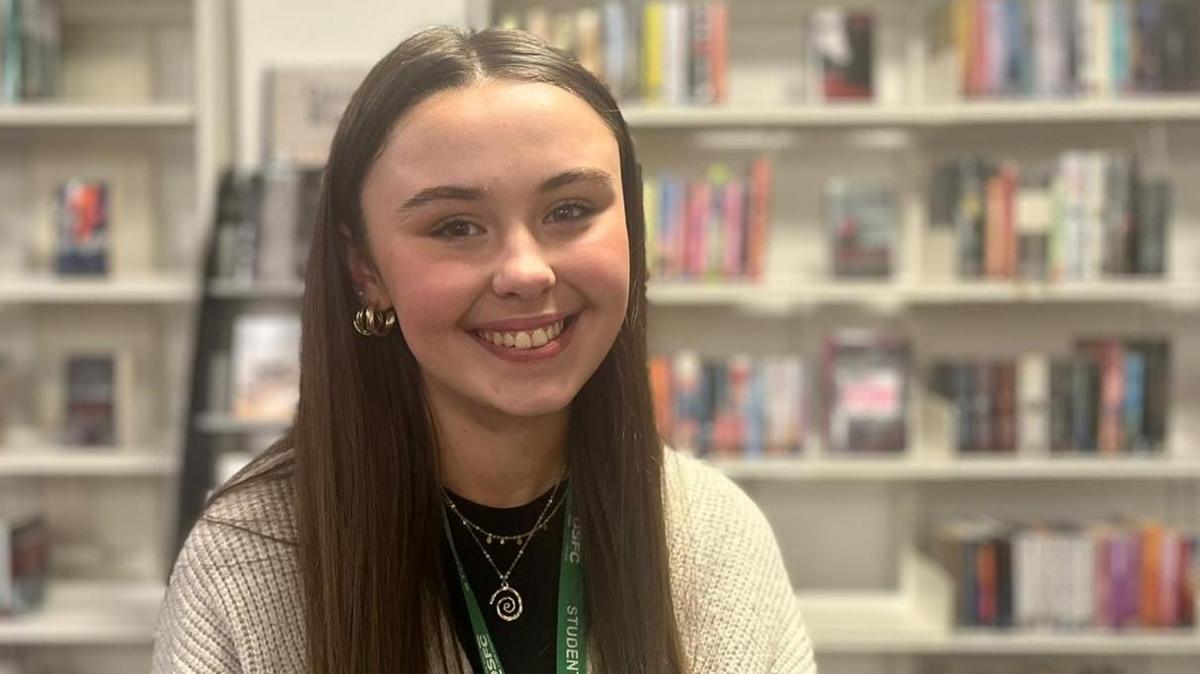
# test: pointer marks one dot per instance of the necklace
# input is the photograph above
(490, 537)
(506, 599)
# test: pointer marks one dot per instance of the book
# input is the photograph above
(265, 363)
(841, 54)
(24, 562)
(301, 111)
(866, 392)
(82, 215)
(91, 400)
(861, 223)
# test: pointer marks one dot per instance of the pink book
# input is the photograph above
(735, 228)
(695, 244)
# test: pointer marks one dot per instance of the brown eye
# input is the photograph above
(570, 211)
(457, 229)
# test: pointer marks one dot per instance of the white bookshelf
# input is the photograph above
(46, 116)
(164, 288)
(144, 106)
(117, 462)
(79, 613)
(916, 116)
(975, 469)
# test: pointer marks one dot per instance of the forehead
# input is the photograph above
(493, 133)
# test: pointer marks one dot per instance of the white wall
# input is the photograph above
(270, 33)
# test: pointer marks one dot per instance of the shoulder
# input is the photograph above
(234, 588)
(728, 577)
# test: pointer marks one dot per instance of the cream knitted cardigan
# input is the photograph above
(234, 602)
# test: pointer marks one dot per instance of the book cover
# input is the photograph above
(654, 29)
(861, 223)
(688, 387)
(660, 389)
(266, 366)
(24, 564)
(785, 404)
(91, 400)
(842, 44)
(279, 223)
(1033, 404)
(1156, 392)
(1153, 215)
(617, 47)
(301, 111)
(82, 213)
(866, 382)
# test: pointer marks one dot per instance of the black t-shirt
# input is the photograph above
(527, 644)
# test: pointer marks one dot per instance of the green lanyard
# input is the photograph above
(572, 641)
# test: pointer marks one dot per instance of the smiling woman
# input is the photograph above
(484, 487)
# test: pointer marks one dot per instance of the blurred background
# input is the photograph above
(924, 282)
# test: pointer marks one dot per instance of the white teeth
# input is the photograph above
(524, 339)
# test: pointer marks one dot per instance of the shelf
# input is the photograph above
(85, 462)
(226, 424)
(88, 613)
(83, 115)
(800, 293)
(982, 469)
(164, 289)
(256, 290)
(848, 115)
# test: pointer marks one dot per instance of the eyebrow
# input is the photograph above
(468, 193)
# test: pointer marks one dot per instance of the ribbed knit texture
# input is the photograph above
(234, 604)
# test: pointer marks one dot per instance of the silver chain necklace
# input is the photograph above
(506, 599)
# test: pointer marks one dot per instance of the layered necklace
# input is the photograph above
(506, 599)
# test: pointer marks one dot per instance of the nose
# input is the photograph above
(523, 270)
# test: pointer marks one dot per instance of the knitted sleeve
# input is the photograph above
(738, 612)
(193, 634)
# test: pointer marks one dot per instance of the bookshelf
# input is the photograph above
(140, 105)
(856, 531)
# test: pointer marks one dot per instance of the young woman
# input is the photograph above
(473, 478)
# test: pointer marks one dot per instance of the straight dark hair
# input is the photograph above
(362, 454)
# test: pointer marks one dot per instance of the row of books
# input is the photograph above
(1091, 214)
(1071, 576)
(736, 406)
(744, 406)
(1064, 48)
(30, 44)
(710, 228)
(1110, 396)
(265, 221)
(657, 51)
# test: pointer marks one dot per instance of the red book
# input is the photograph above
(660, 389)
(718, 24)
(758, 217)
(986, 573)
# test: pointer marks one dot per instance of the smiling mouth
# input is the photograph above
(524, 340)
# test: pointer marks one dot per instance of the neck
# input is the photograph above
(500, 462)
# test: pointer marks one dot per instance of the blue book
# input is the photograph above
(755, 412)
(615, 47)
(1122, 15)
(1135, 400)
(1017, 76)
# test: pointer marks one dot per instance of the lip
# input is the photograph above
(549, 350)
(518, 324)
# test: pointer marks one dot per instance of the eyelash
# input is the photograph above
(581, 210)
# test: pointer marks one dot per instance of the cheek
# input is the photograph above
(428, 300)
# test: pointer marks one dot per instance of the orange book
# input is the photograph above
(1149, 590)
(759, 217)
(718, 26)
(1010, 177)
(993, 227)
(986, 568)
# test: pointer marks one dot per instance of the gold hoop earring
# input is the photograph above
(371, 323)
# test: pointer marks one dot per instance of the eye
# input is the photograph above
(571, 210)
(457, 229)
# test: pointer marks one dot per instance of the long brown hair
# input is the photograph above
(362, 454)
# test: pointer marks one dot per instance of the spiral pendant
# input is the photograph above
(507, 602)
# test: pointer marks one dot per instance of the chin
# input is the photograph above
(532, 406)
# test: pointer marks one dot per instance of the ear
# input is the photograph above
(363, 273)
